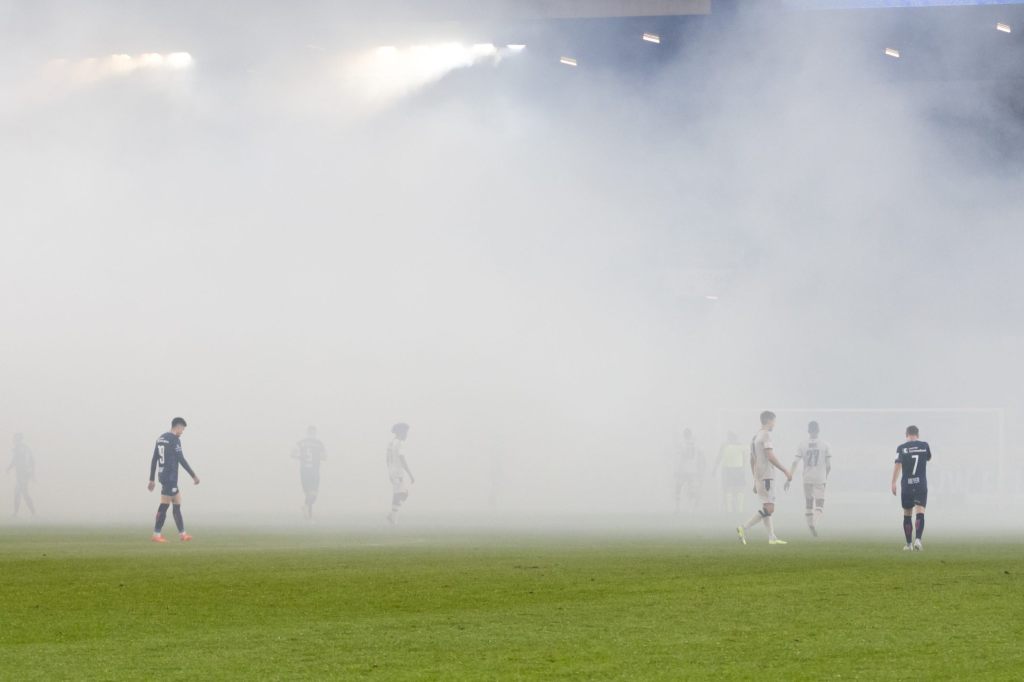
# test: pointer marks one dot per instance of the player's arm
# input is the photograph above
(405, 465)
(793, 466)
(895, 476)
(152, 466)
(828, 462)
(186, 467)
(770, 454)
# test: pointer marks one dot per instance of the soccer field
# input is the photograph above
(409, 605)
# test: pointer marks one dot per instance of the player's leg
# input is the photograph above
(907, 502)
(179, 520)
(161, 517)
(919, 522)
(818, 493)
(764, 494)
(398, 496)
(17, 498)
(28, 500)
(809, 507)
(769, 524)
(312, 493)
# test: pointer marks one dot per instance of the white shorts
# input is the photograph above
(766, 491)
(398, 485)
(814, 490)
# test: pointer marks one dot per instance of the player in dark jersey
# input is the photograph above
(310, 452)
(911, 470)
(24, 465)
(167, 455)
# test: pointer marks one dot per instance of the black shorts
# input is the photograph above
(915, 496)
(169, 489)
(310, 481)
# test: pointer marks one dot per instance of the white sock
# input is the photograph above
(770, 526)
(809, 516)
(756, 519)
(818, 511)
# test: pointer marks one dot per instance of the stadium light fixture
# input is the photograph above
(515, 49)
(1005, 28)
(389, 72)
(93, 69)
(892, 52)
(711, 297)
(652, 38)
(484, 49)
(569, 61)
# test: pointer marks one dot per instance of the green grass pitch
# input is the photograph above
(431, 606)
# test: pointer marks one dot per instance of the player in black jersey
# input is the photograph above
(167, 455)
(911, 470)
(310, 452)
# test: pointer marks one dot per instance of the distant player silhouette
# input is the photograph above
(310, 452)
(23, 463)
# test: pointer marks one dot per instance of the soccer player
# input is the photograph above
(689, 470)
(24, 464)
(167, 455)
(817, 458)
(730, 458)
(310, 452)
(912, 462)
(397, 469)
(763, 463)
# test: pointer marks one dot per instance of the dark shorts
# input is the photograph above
(169, 489)
(915, 496)
(310, 480)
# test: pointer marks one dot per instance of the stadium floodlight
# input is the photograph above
(569, 61)
(389, 72)
(1005, 28)
(892, 52)
(711, 297)
(151, 60)
(516, 48)
(652, 38)
(179, 60)
(122, 63)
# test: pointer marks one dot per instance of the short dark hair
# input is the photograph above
(913, 431)
(767, 416)
(178, 421)
(813, 427)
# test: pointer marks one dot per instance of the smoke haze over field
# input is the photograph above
(548, 272)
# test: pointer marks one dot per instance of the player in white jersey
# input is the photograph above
(763, 464)
(397, 469)
(817, 459)
(689, 470)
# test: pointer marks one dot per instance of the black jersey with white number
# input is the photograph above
(311, 452)
(167, 455)
(914, 456)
